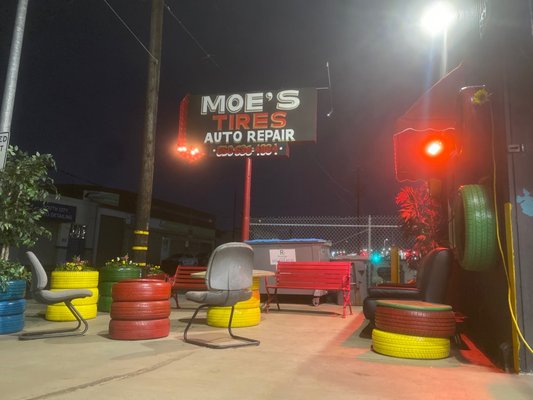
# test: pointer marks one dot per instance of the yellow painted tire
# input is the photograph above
(219, 317)
(85, 301)
(254, 301)
(407, 346)
(73, 279)
(62, 313)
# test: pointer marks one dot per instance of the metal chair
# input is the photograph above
(38, 284)
(228, 279)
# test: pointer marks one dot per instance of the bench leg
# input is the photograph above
(175, 295)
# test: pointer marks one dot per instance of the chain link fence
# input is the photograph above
(348, 235)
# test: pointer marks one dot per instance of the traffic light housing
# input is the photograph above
(422, 154)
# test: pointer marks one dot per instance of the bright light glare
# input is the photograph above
(437, 18)
(434, 148)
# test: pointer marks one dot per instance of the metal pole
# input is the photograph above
(246, 200)
(369, 234)
(144, 197)
(8, 101)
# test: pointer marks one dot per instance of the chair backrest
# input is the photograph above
(38, 274)
(230, 267)
(436, 267)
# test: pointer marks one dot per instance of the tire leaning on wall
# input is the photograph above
(474, 228)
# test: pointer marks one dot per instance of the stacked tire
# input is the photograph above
(12, 307)
(413, 329)
(246, 313)
(87, 306)
(140, 309)
(108, 277)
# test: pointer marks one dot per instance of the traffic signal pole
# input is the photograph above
(144, 196)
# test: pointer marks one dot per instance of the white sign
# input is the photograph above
(282, 255)
(4, 143)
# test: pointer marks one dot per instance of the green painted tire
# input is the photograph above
(73, 279)
(474, 228)
(104, 303)
(114, 274)
(105, 288)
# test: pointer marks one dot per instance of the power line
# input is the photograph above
(129, 29)
(207, 55)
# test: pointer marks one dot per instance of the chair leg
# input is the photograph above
(60, 332)
(175, 295)
(245, 341)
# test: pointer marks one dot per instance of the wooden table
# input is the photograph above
(247, 313)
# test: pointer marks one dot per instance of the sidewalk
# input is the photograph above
(305, 353)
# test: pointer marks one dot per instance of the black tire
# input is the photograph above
(474, 228)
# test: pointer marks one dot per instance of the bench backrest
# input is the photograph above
(334, 275)
(183, 279)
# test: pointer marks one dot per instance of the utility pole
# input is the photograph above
(8, 101)
(144, 196)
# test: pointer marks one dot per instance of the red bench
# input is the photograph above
(311, 275)
(182, 280)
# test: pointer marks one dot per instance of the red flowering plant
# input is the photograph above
(421, 218)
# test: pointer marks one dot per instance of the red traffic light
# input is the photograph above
(419, 154)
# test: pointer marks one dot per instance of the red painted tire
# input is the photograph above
(440, 323)
(141, 290)
(140, 310)
(139, 330)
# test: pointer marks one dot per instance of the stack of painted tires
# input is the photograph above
(12, 307)
(108, 277)
(140, 309)
(61, 280)
(247, 313)
(413, 329)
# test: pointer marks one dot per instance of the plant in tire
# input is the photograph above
(421, 217)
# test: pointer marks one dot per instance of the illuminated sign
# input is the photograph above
(246, 124)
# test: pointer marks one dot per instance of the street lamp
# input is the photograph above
(435, 21)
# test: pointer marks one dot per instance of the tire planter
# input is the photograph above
(141, 290)
(474, 228)
(62, 313)
(87, 306)
(14, 290)
(139, 330)
(407, 346)
(140, 309)
(12, 307)
(108, 277)
(242, 317)
(415, 318)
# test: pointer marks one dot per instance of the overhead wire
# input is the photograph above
(130, 30)
(188, 32)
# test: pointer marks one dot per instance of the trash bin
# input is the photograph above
(359, 277)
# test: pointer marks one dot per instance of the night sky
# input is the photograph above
(81, 95)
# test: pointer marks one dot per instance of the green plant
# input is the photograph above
(150, 269)
(24, 187)
(120, 262)
(421, 217)
(77, 264)
(12, 271)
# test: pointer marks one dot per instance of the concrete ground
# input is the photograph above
(305, 353)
